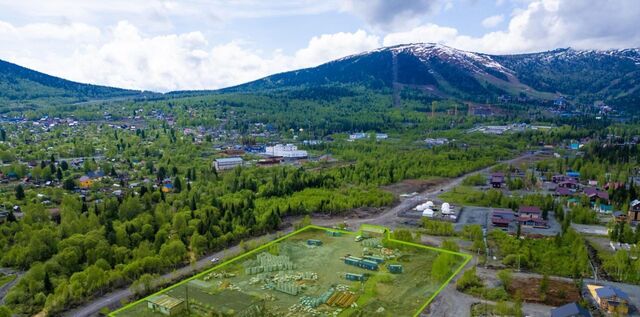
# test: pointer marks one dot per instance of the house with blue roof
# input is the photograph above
(610, 299)
(570, 310)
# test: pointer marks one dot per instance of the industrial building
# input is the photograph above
(227, 163)
(286, 151)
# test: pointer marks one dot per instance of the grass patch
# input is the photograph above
(6, 279)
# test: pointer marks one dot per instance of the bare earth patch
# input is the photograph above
(413, 185)
(558, 293)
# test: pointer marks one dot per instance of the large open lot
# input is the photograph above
(304, 274)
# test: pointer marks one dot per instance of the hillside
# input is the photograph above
(20, 86)
(441, 71)
(434, 70)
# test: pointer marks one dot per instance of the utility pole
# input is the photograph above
(433, 108)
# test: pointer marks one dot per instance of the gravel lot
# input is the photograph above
(451, 303)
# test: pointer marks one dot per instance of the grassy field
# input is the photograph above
(317, 273)
(5, 279)
(463, 195)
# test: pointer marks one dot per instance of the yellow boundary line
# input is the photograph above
(362, 228)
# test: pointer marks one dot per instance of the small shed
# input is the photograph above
(354, 277)
(334, 233)
(166, 305)
(374, 258)
(314, 242)
(395, 268)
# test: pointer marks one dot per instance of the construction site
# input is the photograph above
(312, 272)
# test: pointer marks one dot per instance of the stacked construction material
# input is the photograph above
(268, 262)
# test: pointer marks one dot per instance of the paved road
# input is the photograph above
(5, 288)
(591, 229)
(388, 218)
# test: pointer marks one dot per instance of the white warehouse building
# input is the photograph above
(287, 151)
(227, 163)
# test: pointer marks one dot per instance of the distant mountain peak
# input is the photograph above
(447, 72)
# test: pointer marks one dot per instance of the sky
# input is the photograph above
(166, 45)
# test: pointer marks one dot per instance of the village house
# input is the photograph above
(167, 188)
(634, 211)
(497, 179)
(619, 216)
(563, 191)
(531, 216)
(502, 218)
(610, 299)
(85, 182)
(559, 178)
(594, 195)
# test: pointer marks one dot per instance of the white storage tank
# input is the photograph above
(427, 213)
(446, 209)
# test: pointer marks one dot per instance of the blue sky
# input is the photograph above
(198, 44)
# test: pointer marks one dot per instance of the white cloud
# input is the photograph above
(331, 46)
(543, 25)
(492, 21)
(169, 62)
(386, 14)
(123, 56)
(158, 57)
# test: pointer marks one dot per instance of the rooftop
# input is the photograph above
(165, 301)
(529, 209)
(609, 291)
(229, 160)
(571, 309)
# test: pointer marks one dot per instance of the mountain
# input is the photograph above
(445, 72)
(20, 86)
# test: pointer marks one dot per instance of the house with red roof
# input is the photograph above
(531, 216)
